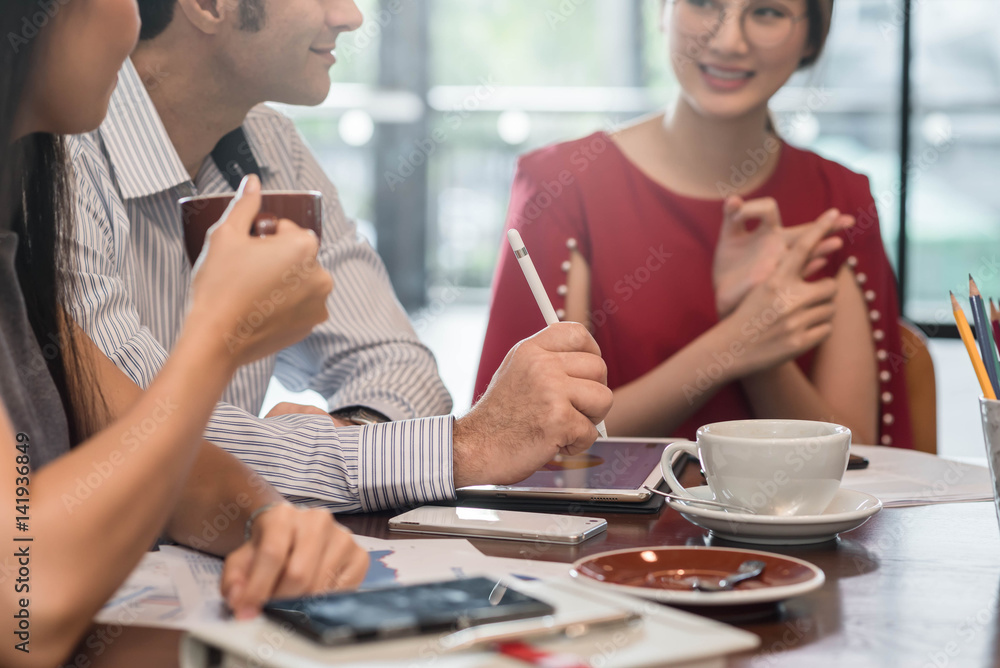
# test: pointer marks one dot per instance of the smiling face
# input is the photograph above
(731, 68)
(288, 59)
(76, 65)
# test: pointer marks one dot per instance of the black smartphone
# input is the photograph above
(348, 617)
(856, 462)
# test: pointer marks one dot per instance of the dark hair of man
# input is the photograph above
(35, 192)
(156, 15)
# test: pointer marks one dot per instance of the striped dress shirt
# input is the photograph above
(133, 277)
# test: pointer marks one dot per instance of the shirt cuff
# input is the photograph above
(405, 463)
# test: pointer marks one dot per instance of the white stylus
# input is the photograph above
(538, 290)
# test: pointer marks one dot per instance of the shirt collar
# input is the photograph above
(144, 160)
(142, 156)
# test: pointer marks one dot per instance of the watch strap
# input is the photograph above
(360, 415)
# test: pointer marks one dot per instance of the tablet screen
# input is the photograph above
(607, 465)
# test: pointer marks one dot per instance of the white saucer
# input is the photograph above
(848, 510)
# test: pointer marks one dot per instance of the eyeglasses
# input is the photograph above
(764, 24)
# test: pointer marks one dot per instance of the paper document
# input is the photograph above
(908, 478)
(663, 636)
(427, 560)
(179, 588)
(148, 598)
(404, 562)
(197, 576)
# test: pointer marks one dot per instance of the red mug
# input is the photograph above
(199, 213)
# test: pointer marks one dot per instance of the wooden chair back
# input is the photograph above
(921, 387)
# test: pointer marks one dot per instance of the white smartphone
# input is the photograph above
(506, 524)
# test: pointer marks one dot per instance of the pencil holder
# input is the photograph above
(990, 411)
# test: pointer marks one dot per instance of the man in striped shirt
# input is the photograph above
(200, 71)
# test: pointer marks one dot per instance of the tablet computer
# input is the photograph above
(615, 470)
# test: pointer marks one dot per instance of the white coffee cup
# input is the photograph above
(775, 467)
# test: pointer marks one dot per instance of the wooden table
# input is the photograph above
(913, 587)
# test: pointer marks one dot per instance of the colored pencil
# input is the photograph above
(984, 334)
(970, 347)
(995, 321)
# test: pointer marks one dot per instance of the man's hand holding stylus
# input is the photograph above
(544, 400)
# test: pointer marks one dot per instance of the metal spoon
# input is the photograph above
(747, 571)
(704, 502)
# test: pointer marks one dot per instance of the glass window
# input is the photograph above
(846, 107)
(953, 222)
(506, 77)
(341, 130)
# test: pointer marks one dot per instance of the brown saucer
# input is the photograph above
(666, 574)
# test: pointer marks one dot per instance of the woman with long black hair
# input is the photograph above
(93, 470)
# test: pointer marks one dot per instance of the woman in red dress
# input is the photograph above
(724, 273)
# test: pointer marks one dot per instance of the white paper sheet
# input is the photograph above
(197, 577)
(148, 598)
(427, 560)
(174, 588)
(179, 588)
(907, 478)
(402, 562)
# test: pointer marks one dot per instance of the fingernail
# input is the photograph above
(246, 612)
(251, 184)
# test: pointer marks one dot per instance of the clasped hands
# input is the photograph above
(760, 276)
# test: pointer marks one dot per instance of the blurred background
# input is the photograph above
(433, 101)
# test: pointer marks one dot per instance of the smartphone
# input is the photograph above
(855, 462)
(380, 614)
(506, 524)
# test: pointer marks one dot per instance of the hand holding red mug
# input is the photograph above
(257, 295)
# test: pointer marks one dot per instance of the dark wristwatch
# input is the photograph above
(359, 415)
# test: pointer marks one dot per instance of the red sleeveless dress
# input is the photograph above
(650, 253)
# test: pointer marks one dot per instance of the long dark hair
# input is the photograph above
(35, 203)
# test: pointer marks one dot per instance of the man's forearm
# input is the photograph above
(219, 495)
